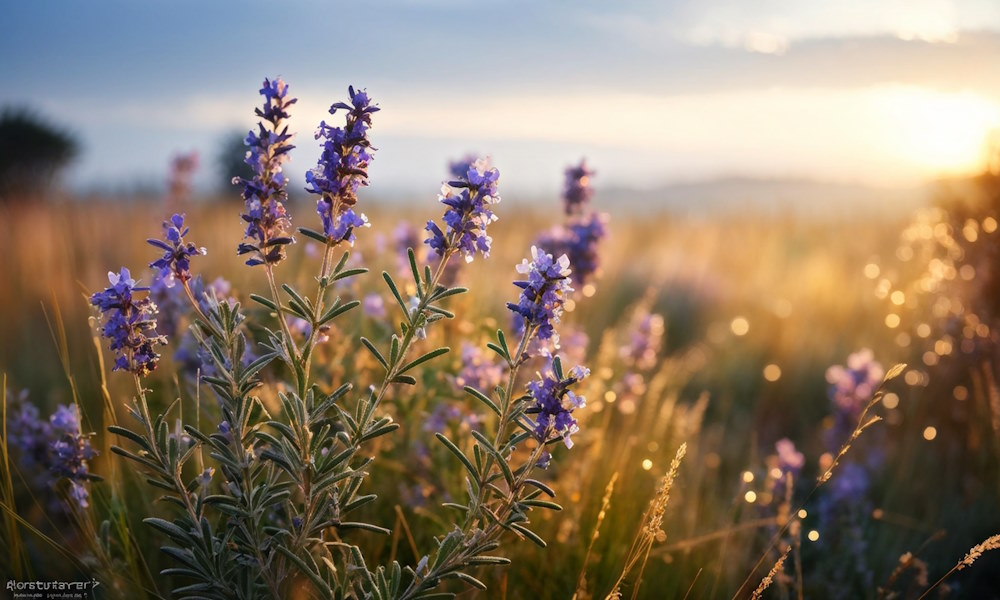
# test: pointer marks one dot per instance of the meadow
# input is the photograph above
(715, 335)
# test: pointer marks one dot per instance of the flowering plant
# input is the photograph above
(291, 475)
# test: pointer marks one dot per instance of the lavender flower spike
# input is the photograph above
(579, 240)
(555, 403)
(543, 293)
(130, 324)
(577, 191)
(343, 168)
(175, 263)
(264, 194)
(468, 199)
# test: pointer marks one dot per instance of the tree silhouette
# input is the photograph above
(32, 152)
(230, 162)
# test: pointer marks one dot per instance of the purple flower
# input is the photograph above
(468, 199)
(790, 463)
(577, 190)
(53, 449)
(851, 387)
(71, 450)
(206, 477)
(343, 167)
(175, 262)
(790, 460)
(544, 460)
(264, 194)
(543, 293)
(374, 306)
(554, 404)
(645, 340)
(130, 324)
(459, 168)
(29, 433)
(406, 237)
(578, 240)
(446, 415)
(478, 370)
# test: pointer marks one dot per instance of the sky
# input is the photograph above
(879, 92)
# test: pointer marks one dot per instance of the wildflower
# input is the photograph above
(555, 403)
(445, 414)
(478, 371)
(373, 306)
(645, 340)
(52, 449)
(264, 194)
(577, 190)
(578, 240)
(468, 199)
(459, 168)
(544, 460)
(851, 483)
(342, 168)
(29, 433)
(175, 263)
(70, 450)
(851, 387)
(790, 460)
(543, 293)
(129, 324)
(206, 477)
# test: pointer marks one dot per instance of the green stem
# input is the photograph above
(514, 364)
(293, 352)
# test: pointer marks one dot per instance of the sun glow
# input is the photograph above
(943, 133)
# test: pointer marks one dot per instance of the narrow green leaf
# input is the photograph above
(262, 300)
(128, 433)
(461, 456)
(314, 235)
(349, 273)
(378, 355)
(531, 535)
(395, 293)
(426, 357)
(482, 398)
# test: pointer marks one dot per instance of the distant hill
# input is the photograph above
(735, 195)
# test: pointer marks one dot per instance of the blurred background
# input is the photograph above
(786, 182)
(853, 99)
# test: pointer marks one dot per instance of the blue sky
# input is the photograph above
(880, 92)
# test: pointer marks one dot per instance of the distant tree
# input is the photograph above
(32, 152)
(230, 161)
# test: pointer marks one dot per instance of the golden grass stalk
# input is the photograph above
(581, 583)
(864, 422)
(769, 578)
(990, 543)
(650, 528)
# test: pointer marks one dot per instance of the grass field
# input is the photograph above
(755, 310)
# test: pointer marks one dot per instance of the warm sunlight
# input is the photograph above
(941, 132)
